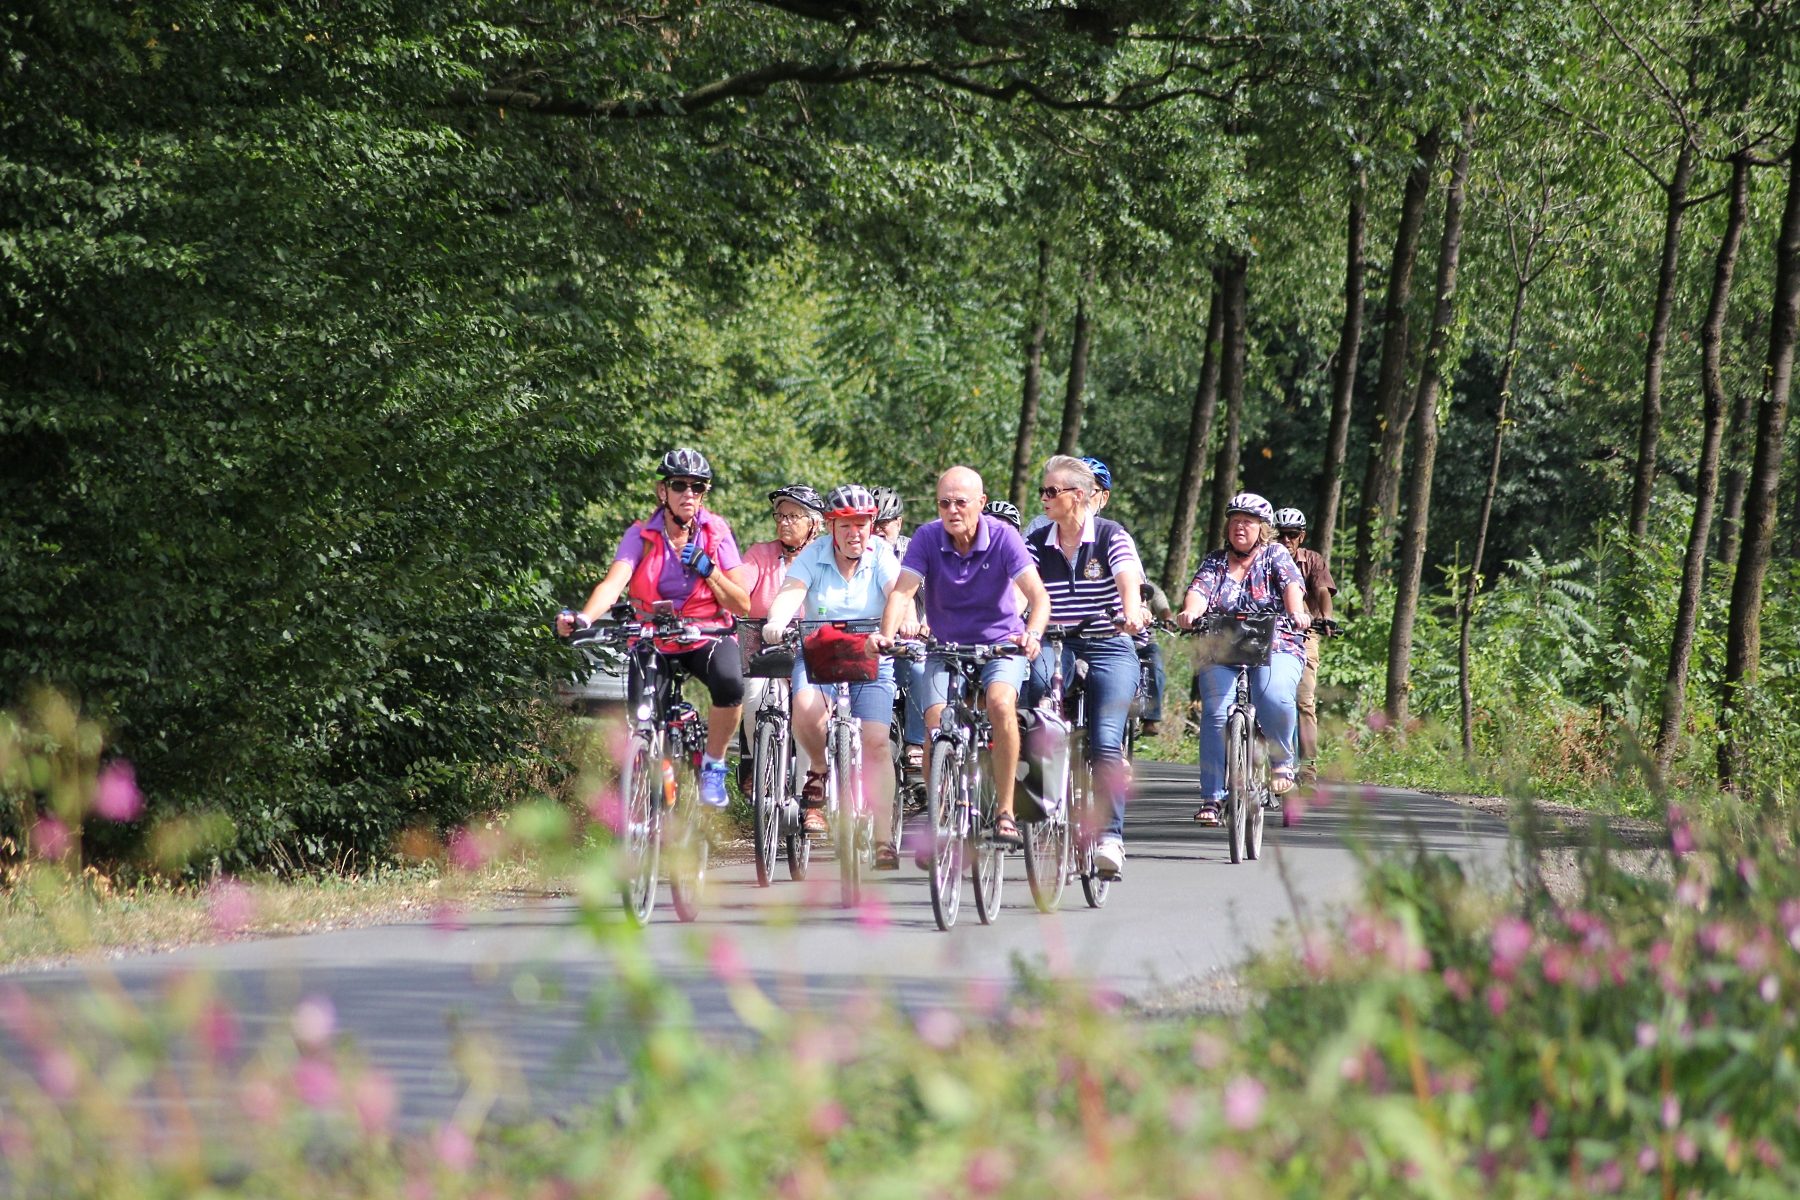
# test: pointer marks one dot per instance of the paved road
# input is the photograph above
(518, 976)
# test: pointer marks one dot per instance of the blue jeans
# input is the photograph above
(912, 675)
(1272, 690)
(1111, 684)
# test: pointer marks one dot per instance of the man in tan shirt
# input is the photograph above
(1315, 574)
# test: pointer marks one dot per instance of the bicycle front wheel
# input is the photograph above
(640, 834)
(846, 788)
(688, 849)
(1047, 860)
(1237, 782)
(988, 868)
(944, 828)
(768, 774)
(1258, 797)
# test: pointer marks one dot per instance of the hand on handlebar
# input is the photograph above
(569, 620)
(1301, 621)
(1030, 643)
(1189, 616)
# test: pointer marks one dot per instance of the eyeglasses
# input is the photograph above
(697, 486)
(792, 518)
(954, 502)
(1051, 493)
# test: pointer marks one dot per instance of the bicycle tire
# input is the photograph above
(640, 833)
(685, 831)
(848, 817)
(768, 773)
(1047, 860)
(943, 827)
(987, 867)
(1084, 812)
(1259, 792)
(797, 844)
(1237, 785)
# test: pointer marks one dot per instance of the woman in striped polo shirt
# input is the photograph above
(1090, 567)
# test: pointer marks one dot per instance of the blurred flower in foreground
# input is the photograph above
(455, 1148)
(116, 796)
(315, 1020)
(50, 837)
(228, 906)
(1244, 1102)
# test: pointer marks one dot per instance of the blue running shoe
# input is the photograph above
(712, 784)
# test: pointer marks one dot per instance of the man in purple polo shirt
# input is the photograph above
(969, 564)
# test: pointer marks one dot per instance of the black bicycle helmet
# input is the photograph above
(688, 463)
(888, 505)
(800, 494)
(1005, 511)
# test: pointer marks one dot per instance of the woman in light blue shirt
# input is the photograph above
(844, 577)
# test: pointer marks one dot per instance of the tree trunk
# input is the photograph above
(1390, 389)
(1737, 475)
(1193, 463)
(1706, 487)
(1020, 490)
(1343, 382)
(1744, 637)
(1425, 404)
(1078, 365)
(1231, 384)
(1650, 416)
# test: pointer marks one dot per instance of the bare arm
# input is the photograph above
(897, 616)
(1294, 596)
(1131, 598)
(1037, 599)
(729, 588)
(606, 593)
(782, 609)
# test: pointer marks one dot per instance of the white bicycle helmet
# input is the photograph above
(888, 505)
(1251, 504)
(1005, 510)
(1289, 518)
(850, 500)
(800, 494)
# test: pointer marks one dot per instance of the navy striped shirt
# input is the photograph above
(1084, 586)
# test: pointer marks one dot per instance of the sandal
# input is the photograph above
(1282, 781)
(887, 858)
(1006, 831)
(1208, 813)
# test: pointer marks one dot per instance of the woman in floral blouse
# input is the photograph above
(1253, 573)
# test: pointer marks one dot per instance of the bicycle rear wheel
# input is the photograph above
(768, 774)
(1237, 783)
(797, 844)
(944, 827)
(988, 866)
(640, 832)
(845, 790)
(1047, 861)
(688, 848)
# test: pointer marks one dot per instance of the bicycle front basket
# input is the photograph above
(835, 655)
(1245, 640)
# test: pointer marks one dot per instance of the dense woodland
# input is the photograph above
(337, 340)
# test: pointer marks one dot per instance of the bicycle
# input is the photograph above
(774, 770)
(1049, 850)
(668, 731)
(846, 801)
(961, 803)
(1242, 640)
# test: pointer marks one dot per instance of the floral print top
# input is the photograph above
(1272, 569)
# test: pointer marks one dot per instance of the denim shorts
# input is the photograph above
(872, 701)
(1001, 670)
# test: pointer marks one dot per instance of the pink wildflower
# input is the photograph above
(1646, 1034)
(939, 1028)
(116, 795)
(217, 1031)
(1457, 984)
(1209, 1051)
(374, 1098)
(1540, 1121)
(1769, 989)
(315, 1020)
(989, 1171)
(57, 1073)
(1497, 999)
(455, 1148)
(469, 850)
(1648, 1159)
(1510, 942)
(1244, 1102)
(827, 1119)
(228, 906)
(51, 838)
(316, 1083)
(1671, 1110)
(727, 961)
(260, 1100)
(605, 808)
(872, 914)
(1686, 1149)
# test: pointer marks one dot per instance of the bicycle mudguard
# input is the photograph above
(1043, 765)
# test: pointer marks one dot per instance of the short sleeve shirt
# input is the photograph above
(831, 597)
(1272, 571)
(1315, 572)
(970, 597)
(677, 581)
(768, 568)
(1084, 586)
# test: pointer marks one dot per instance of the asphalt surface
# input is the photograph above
(517, 985)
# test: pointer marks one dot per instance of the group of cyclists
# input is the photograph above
(972, 575)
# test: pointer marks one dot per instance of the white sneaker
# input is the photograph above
(1109, 856)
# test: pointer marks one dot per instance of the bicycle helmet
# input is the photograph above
(800, 494)
(888, 505)
(1005, 511)
(685, 462)
(1253, 505)
(1102, 474)
(1289, 518)
(850, 500)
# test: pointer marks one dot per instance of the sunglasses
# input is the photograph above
(1051, 493)
(697, 486)
(953, 502)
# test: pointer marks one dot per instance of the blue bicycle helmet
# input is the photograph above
(1102, 475)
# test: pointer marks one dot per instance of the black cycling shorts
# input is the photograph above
(716, 664)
